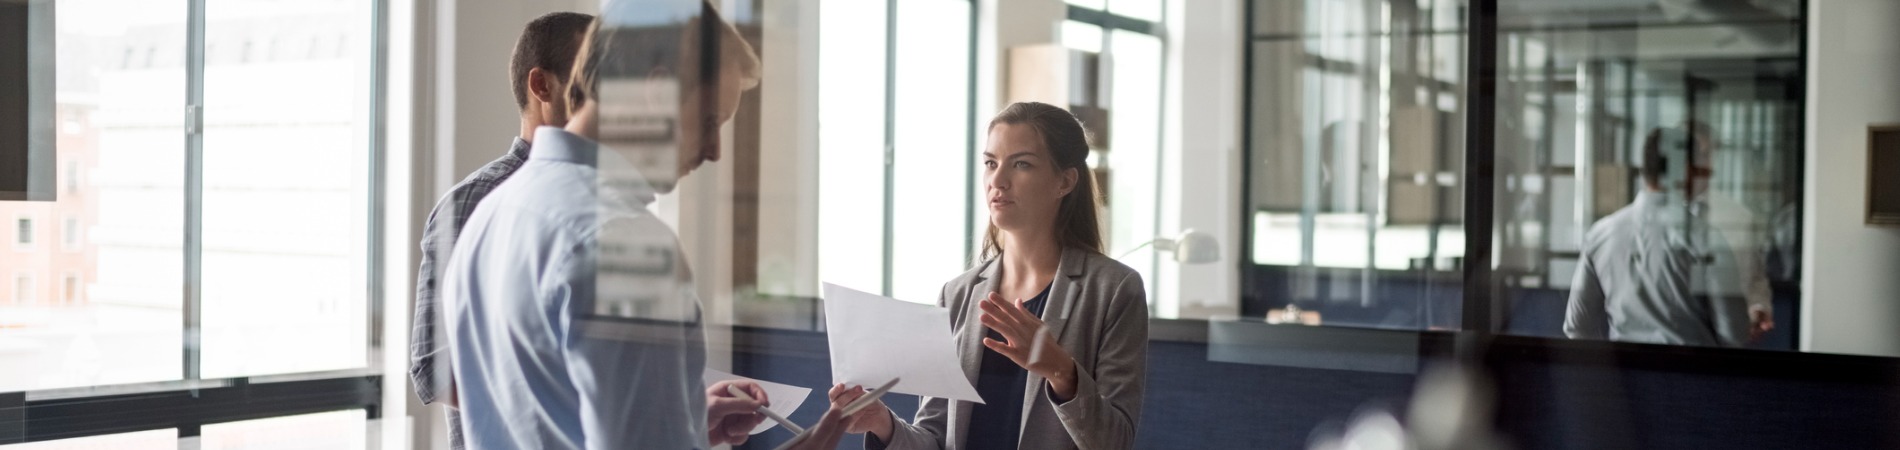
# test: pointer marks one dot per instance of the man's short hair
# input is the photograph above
(1665, 144)
(548, 43)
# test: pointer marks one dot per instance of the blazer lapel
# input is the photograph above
(970, 347)
(970, 334)
(1062, 292)
(1055, 316)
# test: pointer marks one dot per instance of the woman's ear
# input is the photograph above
(1067, 185)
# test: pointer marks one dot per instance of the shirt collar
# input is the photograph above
(555, 144)
(616, 177)
(1668, 204)
(519, 149)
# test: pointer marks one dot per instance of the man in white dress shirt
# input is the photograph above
(572, 317)
(1656, 271)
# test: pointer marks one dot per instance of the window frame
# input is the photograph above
(25, 226)
(69, 232)
(70, 285)
(24, 283)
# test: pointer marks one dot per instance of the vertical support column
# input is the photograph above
(1480, 312)
(194, 186)
(378, 173)
(890, 143)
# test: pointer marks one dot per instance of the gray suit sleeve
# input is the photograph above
(1107, 403)
(926, 432)
(1585, 317)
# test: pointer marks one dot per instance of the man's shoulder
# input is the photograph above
(546, 185)
(491, 174)
(462, 197)
(1618, 223)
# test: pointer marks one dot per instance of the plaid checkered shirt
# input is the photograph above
(438, 239)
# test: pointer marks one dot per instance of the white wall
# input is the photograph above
(1850, 287)
(475, 115)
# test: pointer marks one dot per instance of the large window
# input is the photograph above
(896, 158)
(1127, 35)
(221, 229)
(121, 91)
(286, 186)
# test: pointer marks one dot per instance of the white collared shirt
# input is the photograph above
(571, 317)
(1655, 272)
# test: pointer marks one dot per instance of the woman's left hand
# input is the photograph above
(1019, 329)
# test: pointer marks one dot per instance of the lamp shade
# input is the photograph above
(1191, 247)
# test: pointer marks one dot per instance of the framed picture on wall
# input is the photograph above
(1883, 175)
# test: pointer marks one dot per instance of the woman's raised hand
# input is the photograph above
(1027, 342)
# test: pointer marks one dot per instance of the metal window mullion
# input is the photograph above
(1479, 314)
(969, 162)
(1243, 256)
(890, 142)
(1161, 139)
(1110, 20)
(194, 188)
(378, 168)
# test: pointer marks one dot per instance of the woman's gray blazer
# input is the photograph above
(1098, 311)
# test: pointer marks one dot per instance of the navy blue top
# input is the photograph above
(996, 422)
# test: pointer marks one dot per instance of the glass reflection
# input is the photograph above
(1656, 271)
(1648, 171)
(1356, 152)
(1356, 157)
(574, 315)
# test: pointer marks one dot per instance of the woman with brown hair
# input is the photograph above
(1053, 333)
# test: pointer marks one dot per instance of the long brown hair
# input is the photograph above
(1068, 145)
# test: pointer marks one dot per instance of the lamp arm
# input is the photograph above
(1138, 247)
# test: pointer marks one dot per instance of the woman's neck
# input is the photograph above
(1028, 261)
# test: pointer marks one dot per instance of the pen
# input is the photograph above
(866, 400)
(734, 389)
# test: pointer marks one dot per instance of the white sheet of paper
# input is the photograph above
(785, 398)
(876, 338)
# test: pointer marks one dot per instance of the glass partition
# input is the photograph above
(1648, 171)
(1354, 161)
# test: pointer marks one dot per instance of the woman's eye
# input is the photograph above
(989, 164)
(1022, 165)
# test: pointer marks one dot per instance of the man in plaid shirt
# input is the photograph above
(543, 56)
